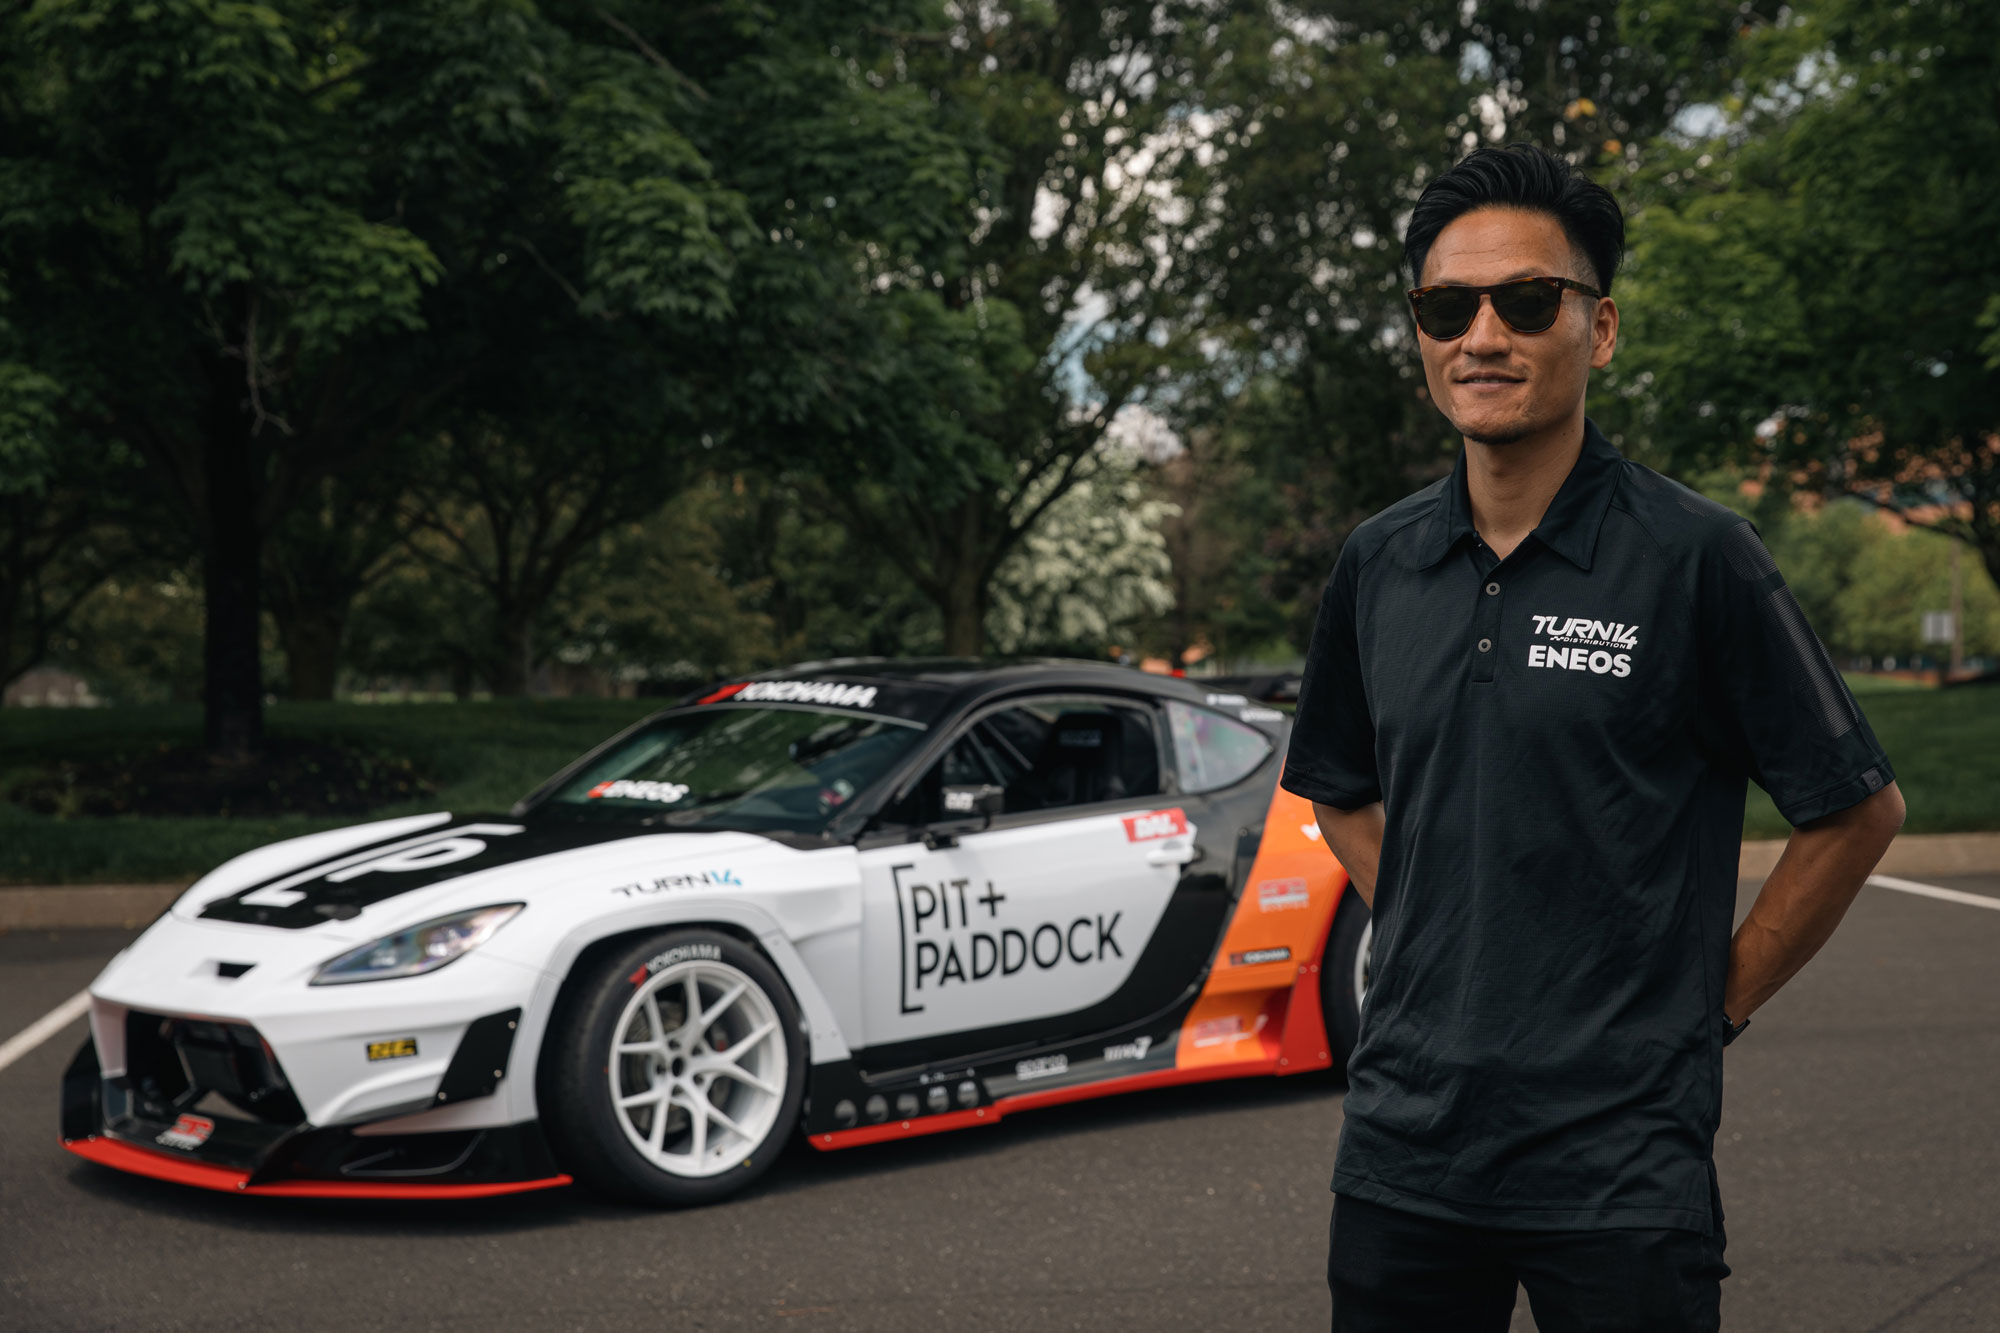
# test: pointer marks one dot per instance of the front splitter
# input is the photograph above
(141, 1162)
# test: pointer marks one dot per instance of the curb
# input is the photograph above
(130, 906)
(85, 906)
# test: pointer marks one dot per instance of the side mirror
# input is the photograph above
(967, 809)
(980, 800)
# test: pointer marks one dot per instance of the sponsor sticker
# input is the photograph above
(1134, 1049)
(1217, 1031)
(1227, 700)
(399, 1049)
(680, 953)
(954, 932)
(1155, 824)
(1282, 895)
(1224, 1031)
(189, 1132)
(697, 879)
(1252, 957)
(631, 789)
(796, 692)
(1260, 715)
(1042, 1066)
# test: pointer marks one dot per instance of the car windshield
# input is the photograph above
(788, 769)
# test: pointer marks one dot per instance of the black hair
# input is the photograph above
(1520, 175)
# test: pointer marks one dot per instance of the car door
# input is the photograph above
(1024, 929)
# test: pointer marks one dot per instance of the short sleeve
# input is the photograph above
(1332, 755)
(1773, 700)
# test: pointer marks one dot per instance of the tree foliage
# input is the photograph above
(1813, 286)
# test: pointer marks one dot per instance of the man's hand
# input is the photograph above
(1824, 866)
(1355, 836)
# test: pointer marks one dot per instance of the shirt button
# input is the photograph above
(1486, 645)
(1492, 590)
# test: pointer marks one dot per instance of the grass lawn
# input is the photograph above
(481, 756)
(1944, 744)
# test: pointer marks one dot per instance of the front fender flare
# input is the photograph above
(824, 1040)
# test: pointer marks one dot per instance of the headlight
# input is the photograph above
(420, 949)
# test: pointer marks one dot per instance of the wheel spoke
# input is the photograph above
(693, 1005)
(653, 1017)
(735, 1053)
(657, 1133)
(698, 1121)
(721, 1006)
(649, 1096)
(741, 1075)
(719, 1118)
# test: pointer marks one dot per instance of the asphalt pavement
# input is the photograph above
(1859, 1156)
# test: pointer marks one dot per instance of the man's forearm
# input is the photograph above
(1815, 881)
(1355, 837)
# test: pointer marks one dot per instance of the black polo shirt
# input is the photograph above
(1560, 742)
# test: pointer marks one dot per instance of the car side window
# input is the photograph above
(1072, 750)
(1212, 751)
(1045, 754)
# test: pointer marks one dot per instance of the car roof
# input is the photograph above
(972, 675)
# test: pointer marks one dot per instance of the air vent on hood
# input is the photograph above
(231, 971)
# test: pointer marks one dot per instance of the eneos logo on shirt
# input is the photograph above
(1584, 645)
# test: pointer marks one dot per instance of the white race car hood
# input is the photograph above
(405, 870)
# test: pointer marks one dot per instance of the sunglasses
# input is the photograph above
(1529, 305)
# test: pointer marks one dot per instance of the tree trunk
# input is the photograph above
(512, 658)
(964, 608)
(311, 638)
(964, 583)
(233, 686)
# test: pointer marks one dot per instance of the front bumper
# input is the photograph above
(206, 1103)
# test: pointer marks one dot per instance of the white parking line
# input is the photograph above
(39, 1031)
(1927, 890)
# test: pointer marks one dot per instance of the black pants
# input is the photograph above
(1395, 1270)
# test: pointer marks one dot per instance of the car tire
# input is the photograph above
(649, 1098)
(1343, 975)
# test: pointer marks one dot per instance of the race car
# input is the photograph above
(859, 900)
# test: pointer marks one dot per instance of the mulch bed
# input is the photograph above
(291, 777)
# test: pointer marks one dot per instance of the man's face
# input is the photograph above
(1494, 384)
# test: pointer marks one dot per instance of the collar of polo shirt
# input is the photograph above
(1570, 526)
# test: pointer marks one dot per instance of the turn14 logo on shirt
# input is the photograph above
(1599, 647)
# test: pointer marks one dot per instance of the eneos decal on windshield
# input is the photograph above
(631, 789)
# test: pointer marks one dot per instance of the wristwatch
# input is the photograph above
(1731, 1031)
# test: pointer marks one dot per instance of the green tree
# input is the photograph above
(1813, 287)
(250, 239)
(1328, 121)
(343, 535)
(984, 347)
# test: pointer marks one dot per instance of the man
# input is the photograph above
(1534, 693)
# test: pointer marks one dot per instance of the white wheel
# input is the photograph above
(1344, 974)
(1363, 961)
(698, 1068)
